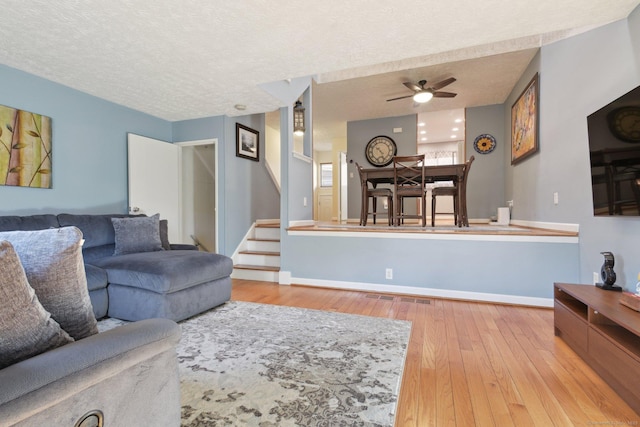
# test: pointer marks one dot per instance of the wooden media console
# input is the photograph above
(605, 333)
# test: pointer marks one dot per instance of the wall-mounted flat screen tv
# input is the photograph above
(614, 148)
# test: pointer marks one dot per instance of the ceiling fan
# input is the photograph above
(424, 94)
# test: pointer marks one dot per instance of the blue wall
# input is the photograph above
(485, 187)
(360, 132)
(90, 156)
(578, 76)
(247, 192)
(89, 147)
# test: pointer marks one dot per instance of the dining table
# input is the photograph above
(454, 173)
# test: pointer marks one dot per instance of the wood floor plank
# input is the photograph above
(472, 364)
(463, 407)
(445, 406)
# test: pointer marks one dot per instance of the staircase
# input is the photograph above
(258, 257)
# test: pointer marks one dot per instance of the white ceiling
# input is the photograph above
(185, 59)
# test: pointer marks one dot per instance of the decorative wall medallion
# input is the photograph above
(484, 144)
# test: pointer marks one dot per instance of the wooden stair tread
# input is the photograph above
(253, 239)
(266, 253)
(267, 225)
(256, 267)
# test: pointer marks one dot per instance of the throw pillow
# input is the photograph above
(26, 327)
(52, 260)
(137, 234)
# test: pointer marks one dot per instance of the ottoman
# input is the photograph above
(173, 284)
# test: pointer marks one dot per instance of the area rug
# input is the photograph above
(266, 365)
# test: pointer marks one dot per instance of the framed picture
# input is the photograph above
(524, 123)
(247, 143)
(25, 148)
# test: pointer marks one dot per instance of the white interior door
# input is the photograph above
(154, 181)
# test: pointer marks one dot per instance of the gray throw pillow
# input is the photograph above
(137, 234)
(52, 260)
(26, 328)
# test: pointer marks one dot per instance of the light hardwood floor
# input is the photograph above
(473, 363)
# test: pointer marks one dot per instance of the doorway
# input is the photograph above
(181, 184)
(199, 194)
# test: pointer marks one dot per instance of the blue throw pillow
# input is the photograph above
(53, 263)
(27, 328)
(137, 234)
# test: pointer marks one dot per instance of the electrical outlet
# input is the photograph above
(596, 277)
(555, 198)
(510, 203)
(388, 274)
(304, 201)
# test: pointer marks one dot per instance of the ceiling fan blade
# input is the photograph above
(444, 94)
(400, 97)
(443, 83)
(412, 86)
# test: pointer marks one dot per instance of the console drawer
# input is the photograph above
(571, 327)
(622, 367)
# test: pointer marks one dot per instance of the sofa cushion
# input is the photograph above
(27, 328)
(166, 271)
(133, 235)
(52, 260)
(32, 222)
(96, 277)
(97, 230)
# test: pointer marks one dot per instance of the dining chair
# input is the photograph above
(451, 191)
(409, 181)
(373, 193)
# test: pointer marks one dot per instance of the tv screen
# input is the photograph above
(614, 148)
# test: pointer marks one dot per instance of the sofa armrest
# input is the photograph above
(66, 375)
(183, 247)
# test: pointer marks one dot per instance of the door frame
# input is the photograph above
(214, 143)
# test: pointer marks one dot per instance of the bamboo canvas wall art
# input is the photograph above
(25, 148)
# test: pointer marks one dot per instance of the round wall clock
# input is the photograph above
(380, 151)
(484, 144)
(624, 123)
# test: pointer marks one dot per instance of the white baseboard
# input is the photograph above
(425, 292)
(284, 278)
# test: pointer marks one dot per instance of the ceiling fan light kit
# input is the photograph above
(422, 97)
(424, 94)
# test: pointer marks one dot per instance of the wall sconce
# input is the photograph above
(298, 118)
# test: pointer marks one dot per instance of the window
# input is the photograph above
(435, 158)
(326, 174)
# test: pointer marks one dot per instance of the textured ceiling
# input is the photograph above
(184, 59)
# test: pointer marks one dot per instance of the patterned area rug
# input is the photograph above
(267, 365)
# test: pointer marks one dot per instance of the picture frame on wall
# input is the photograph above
(25, 148)
(524, 122)
(247, 143)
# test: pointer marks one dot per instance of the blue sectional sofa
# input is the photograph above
(174, 283)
